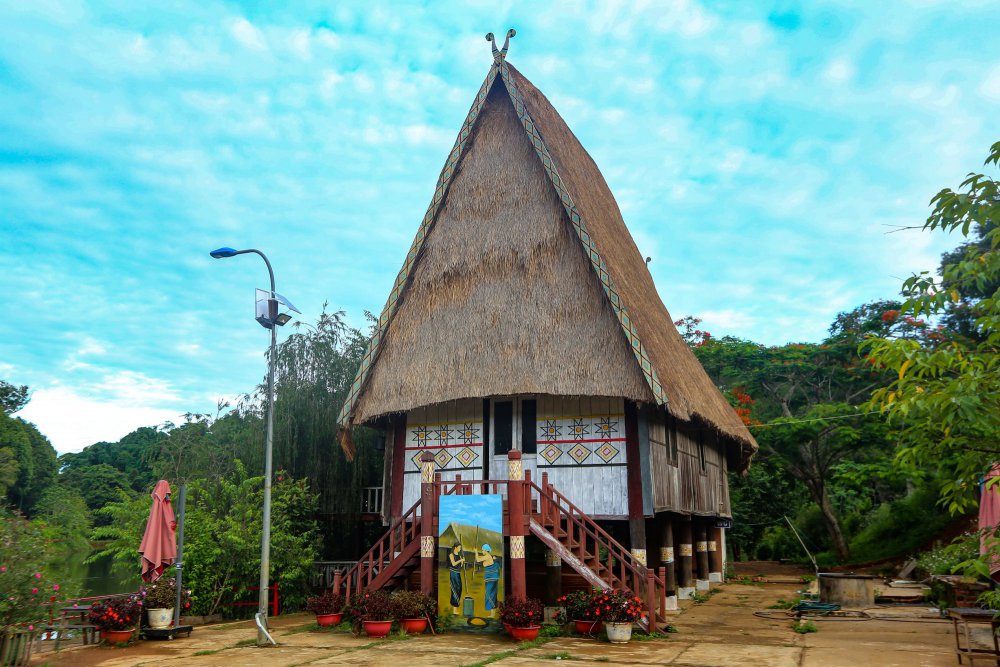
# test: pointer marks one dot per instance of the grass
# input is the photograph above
(804, 627)
(561, 655)
(653, 636)
(782, 603)
(208, 652)
(700, 598)
(603, 658)
(496, 657)
(744, 581)
(244, 642)
(523, 646)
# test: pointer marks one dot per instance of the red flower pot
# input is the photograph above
(414, 626)
(326, 620)
(588, 627)
(527, 634)
(377, 629)
(116, 636)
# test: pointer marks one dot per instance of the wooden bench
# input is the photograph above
(965, 616)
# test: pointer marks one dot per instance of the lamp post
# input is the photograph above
(268, 320)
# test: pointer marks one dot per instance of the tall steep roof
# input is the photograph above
(496, 298)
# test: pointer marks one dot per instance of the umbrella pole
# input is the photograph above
(180, 554)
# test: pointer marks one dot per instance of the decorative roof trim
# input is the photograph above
(589, 246)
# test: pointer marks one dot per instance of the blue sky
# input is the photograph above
(760, 154)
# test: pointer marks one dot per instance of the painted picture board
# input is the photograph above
(471, 560)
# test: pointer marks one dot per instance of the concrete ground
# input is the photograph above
(721, 632)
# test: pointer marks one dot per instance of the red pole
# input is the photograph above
(428, 508)
(515, 504)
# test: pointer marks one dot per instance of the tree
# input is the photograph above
(12, 397)
(945, 393)
(811, 448)
(99, 485)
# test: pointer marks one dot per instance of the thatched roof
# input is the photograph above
(523, 278)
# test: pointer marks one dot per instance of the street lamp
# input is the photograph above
(269, 317)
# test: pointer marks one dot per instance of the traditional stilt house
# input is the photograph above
(524, 334)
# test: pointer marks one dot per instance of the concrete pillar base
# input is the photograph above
(670, 603)
(715, 577)
(684, 593)
(702, 584)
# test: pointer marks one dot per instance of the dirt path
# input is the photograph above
(721, 632)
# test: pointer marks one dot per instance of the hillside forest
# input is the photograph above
(873, 441)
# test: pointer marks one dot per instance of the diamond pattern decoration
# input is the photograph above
(443, 458)
(416, 458)
(467, 456)
(579, 453)
(607, 451)
(551, 454)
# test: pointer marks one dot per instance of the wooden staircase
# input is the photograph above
(391, 560)
(550, 516)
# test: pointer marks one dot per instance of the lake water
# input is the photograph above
(95, 578)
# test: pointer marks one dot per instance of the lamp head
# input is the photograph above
(223, 252)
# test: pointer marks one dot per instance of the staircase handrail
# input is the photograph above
(640, 574)
(406, 527)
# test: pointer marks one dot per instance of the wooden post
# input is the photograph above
(701, 554)
(428, 508)
(636, 520)
(685, 579)
(398, 462)
(553, 577)
(338, 580)
(714, 554)
(667, 561)
(515, 510)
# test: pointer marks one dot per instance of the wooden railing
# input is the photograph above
(583, 537)
(401, 534)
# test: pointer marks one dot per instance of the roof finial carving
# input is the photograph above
(500, 54)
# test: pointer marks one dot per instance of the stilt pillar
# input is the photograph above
(701, 554)
(685, 577)
(715, 547)
(428, 507)
(553, 577)
(637, 538)
(667, 560)
(517, 522)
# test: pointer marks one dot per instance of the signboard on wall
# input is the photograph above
(471, 560)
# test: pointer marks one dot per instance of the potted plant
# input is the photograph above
(117, 618)
(580, 608)
(413, 610)
(619, 610)
(328, 607)
(373, 610)
(522, 617)
(159, 599)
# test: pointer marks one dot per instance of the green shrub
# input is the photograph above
(943, 559)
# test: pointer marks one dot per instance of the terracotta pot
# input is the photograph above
(160, 618)
(525, 634)
(116, 636)
(414, 626)
(377, 629)
(588, 627)
(327, 620)
(619, 633)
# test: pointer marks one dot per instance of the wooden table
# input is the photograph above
(973, 615)
(66, 622)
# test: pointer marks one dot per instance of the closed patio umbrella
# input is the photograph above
(159, 543)
(989, 520)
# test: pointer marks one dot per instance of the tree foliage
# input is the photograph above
(944, 395)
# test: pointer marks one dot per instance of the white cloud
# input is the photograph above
(247, 34)
(840, 70)
(73, 421)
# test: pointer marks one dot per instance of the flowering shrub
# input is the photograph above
(327, 603)
(411, 604)
(618, 607)
(162, 594)
(522, 612)
(122, 613)
(371, 606)
(947, 558)
(580, 605)
(26, 594)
